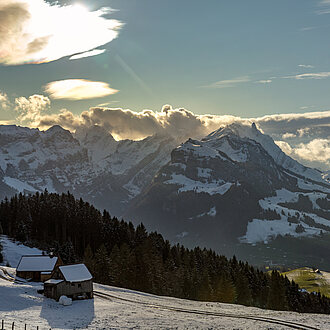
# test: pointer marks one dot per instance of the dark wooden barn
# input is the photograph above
(73, 281)
(37, 268)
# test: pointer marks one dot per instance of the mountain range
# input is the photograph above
(234, 185)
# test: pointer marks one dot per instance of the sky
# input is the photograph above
(71, 62)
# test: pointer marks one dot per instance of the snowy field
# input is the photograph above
(22, 304)
(126, 309)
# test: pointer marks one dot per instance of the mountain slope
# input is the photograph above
(91, 164)
(228, 186)
(236, 183)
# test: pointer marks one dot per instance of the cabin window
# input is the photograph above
(72, 284)
(79, 285)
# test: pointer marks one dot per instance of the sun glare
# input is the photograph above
(51, 32)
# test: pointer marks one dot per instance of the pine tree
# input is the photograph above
(243, 291)
(89, 259)
(115, 267)
(277, 295)
(102, 265)
(224, 290)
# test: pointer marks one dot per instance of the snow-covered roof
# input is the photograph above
(53, 281)
(76, 273)
(36, 263)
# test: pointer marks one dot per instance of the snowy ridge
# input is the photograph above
(252, 133)
(90, 163)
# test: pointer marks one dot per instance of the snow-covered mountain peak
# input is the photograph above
(92, 134)
(247, 131)
(98, 141)
(251, 132)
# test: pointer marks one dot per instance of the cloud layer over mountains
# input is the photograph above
(304, 136)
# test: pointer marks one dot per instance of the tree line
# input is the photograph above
(119, 254)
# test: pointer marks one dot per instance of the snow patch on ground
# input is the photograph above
(13, 251)
(200, 150)
(237, 155)
(132, 188)
(212, 188)
(302, 184)
(18, 185)
(212, 213)
(265, 230)
(261, 230)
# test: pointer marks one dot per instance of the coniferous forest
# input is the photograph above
(119, 254)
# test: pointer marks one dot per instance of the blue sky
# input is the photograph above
(246, 58)
(176, 48)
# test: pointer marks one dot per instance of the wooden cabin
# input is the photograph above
(73, 281)
(37, 268)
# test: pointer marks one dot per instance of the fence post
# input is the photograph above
(13, 326)
(24, 326)
(2, 325)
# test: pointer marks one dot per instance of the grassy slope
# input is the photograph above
(310, 280)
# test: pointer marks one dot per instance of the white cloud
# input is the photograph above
(317, 124)
(267, 81)
(315, 153)
(34, 31)
(30, 109)
(306, 135)
(306, 66)
(64, 118)
(318, 75)
(288, 136)
(324, 4)
(308, 28)
(285, 147)
(7, 122)
(228, 83)
(78, 89)
(88, 54)
(136, 125)
(317, 149)
(4, 101)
